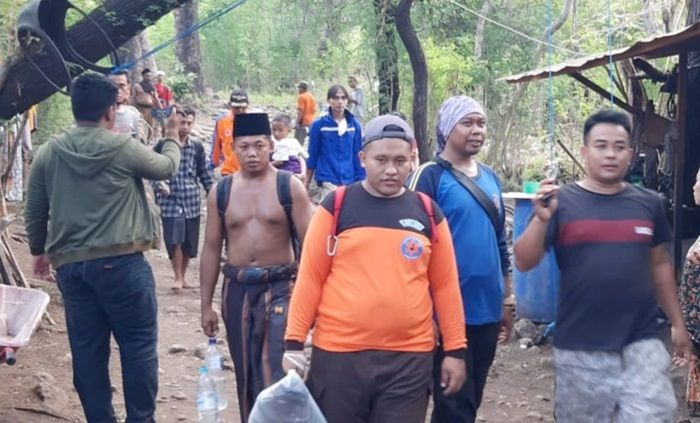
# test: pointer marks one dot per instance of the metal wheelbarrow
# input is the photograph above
(20, 312)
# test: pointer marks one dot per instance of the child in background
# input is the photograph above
(288, 155)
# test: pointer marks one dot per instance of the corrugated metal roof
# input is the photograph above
(686, 39)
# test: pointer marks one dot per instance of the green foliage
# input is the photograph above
(181, 85)
(268, 46)
(535, 169)
(55, 115)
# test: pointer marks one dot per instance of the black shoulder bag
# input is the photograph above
(474, 189)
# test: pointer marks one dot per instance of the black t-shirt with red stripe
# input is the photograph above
(603, 247)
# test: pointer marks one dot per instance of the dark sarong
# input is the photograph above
(254, 309)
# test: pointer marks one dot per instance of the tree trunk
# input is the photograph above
(133, 50)
(188, 50)
(498, 149)
(21, 85)
(420, 77)
(387, 56)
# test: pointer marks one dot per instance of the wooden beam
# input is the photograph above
(571, 155)
(679, 162)
(604, 93)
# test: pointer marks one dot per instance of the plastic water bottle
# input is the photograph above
(207, 406)
(215, 362)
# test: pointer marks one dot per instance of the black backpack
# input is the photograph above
(284, 196)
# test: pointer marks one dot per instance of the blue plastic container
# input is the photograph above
(536, 291)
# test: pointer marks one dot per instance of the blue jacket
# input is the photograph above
(333, 157)
(481, 250)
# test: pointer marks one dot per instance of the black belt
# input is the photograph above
(261, 274)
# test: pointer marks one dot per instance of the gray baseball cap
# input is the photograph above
(387, 126)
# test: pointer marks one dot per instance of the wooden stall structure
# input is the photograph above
(632, 60)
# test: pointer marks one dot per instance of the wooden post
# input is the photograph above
(679, 162)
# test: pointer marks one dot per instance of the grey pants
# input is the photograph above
(319, 191)
(600, 387)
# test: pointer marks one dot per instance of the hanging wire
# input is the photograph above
(610, 58)
(550, 92)
(513, 30)
(186, 33)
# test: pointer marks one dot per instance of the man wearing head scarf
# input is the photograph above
(469, 193)
(268, 211)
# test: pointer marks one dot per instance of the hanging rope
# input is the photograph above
(184, 34)
(610, 61)
(513, 30)
(552, 171)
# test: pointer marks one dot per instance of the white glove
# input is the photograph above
(295, 360)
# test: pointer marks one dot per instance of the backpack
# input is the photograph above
(332, 240)
(284, 196)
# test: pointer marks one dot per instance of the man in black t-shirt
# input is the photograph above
(610, 242)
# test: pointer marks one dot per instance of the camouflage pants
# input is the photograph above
(632, 386)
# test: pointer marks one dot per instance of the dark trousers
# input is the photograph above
(104, 297)
(462, 406)
(300, 133)
(255, 306)
(371, 386)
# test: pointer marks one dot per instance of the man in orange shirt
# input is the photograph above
(372, 271)
(306, 111)
(222, 144)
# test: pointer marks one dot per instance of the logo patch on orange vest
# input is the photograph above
(412, 248)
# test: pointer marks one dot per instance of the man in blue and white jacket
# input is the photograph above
(335, 140)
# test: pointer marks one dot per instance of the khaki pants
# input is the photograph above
(319, 190)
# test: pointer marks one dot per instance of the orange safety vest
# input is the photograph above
(223, 146)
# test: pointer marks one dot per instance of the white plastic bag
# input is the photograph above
(287, 401)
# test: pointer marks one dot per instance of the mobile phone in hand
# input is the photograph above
(552, 173)
(163, 113)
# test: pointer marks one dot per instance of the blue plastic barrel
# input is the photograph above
(536, 290)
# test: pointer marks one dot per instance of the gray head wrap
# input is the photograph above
(452, 110)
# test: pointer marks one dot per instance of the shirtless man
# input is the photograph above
(261, 267)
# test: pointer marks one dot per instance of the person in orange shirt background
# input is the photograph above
(306, 112)
(222, 155)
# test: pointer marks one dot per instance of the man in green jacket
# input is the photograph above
(88, 217)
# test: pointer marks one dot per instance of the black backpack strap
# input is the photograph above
(223, 191)
(474, 189)
(284, 196)
(198, 153)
